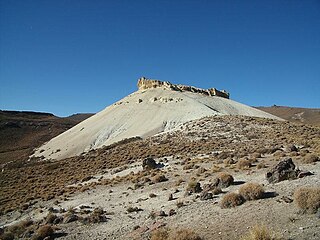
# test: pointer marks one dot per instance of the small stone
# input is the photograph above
(70, 218)
(161, 213)
(172, 212)
(206, 196)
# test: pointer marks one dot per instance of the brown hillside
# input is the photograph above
(295, 114)
(21, 132)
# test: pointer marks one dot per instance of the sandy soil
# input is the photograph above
(205, 217)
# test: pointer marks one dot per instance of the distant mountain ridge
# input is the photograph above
(295, 114)
(22, 131)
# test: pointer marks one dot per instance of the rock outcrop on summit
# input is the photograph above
(155, 108)
(145, 83)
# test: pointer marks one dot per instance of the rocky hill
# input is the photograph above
(156, 107)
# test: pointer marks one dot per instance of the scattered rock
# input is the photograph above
(170, 198)
(304, 174)
(291, 148)
(173, 212)
(149, 163)
(70, 218)
(287, 199)
(206, 196)
(284, 170)
(161, 213)
(159, 178)
(193, 187)
(216, 184)
(85, 179)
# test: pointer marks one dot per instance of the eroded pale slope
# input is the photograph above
(143, 113)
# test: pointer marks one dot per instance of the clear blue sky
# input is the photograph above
(70, 56)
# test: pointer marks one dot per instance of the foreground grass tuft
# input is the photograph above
(307, 199)
(231, 200)
(43, 232)
(181, 234)
(260, 232)
(251, 191)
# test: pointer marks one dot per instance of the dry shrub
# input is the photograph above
(43, 232)
(50, 217)
(256, 155)
(243, 164)
(97, 216)
(216, 168)
(261, 165)
(225, 179)
(201, 170)
(231, 200)
(180, 234)
(279, 153)
(180, 204)
(259, 232)
(310, 158)
(20, 227)
(307, 199)
(160, 234)
(133, 209)
(184, 234)
(228, 161)
(179, 181)
(194, 187)
(251, 191)
(189, 166)
(216, 190)
(159, 178)
(7, 236)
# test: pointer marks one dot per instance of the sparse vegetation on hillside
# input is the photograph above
(22, 185)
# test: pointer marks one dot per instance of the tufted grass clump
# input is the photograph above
(260, 232)
(251, 191)
(43, 232)
(225, 179)
(231, 200)
(243, 164)
(173, 234)
(19, 228)
(194, 187)
(307, 199)
(310, 158)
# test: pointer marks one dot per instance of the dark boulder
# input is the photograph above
(284, 170)
(149, 163)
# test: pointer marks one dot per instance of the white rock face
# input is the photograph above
(143, 113)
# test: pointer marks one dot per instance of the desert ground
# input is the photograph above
(107, 193)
